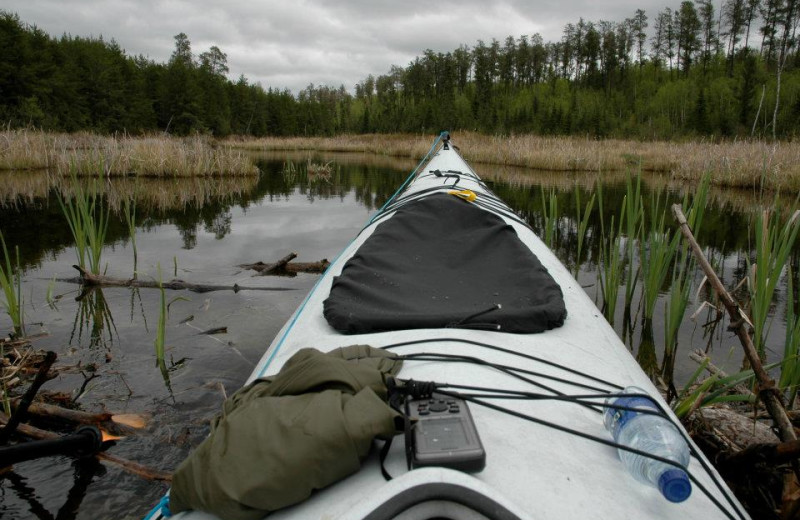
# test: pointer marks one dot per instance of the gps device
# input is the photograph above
(444, 434)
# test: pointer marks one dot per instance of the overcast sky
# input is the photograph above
(326, 42)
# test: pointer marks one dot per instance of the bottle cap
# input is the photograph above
(675, 485)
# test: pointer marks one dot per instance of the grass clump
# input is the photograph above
(87, 216)
(11, 284)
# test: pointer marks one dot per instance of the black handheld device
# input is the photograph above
(444, 434)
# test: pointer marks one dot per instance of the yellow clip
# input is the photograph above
(467, 195)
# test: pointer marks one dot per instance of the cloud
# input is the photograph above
(292, 44)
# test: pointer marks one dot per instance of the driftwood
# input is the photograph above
(767, 390)
(88, 279)
(286, 267)
(117, 424)
(131, 467)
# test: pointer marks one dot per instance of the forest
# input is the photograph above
(687, 72)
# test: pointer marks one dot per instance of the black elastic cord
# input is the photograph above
(507, 351)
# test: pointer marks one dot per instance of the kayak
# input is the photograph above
(447, 277)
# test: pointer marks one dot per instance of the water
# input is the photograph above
(200, 230)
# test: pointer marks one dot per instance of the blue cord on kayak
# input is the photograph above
(299, 310)
(410, 177)
(162, 507)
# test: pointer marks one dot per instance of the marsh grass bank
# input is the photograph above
(148, 156)
(740, 164)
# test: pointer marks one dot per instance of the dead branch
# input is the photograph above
(285, 266)
(767, 392)
(131, 467)
(88, 279)
(125, 424)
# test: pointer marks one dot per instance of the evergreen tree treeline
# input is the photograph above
(688, 71)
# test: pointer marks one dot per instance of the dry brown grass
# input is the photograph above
(151, 193)
(742, 164)
(91, 154)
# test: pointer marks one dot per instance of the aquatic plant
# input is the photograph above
(790, 365)
(88, 221)
(774, 242)
(713, 390)
(583, 216)
(632, 217)
(550, 215)
(129, 213)
(11, 284)
(657, 250)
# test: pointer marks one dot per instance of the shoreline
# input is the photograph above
(759, 165)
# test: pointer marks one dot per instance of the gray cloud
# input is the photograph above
(292, 44)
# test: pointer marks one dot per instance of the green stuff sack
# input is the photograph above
(282, 437)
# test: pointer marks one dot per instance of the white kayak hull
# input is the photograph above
(532, 471)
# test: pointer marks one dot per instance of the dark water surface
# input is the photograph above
(199, 230)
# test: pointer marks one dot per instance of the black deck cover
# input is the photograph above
(436, 263)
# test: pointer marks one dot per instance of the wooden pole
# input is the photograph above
(766, 385)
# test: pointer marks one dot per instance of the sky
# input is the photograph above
(293, 43)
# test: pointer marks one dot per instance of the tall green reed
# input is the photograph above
(11, 284)
(88, 222)
(657, 249)
(550, 214)
(583, 214)
(129, 213)
(774, 242)
(633, 216)
(790, 366)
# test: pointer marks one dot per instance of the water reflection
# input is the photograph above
(93, 318)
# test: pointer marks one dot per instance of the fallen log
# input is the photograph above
(128, 465)
(285, 266)
(88, 279)
(117, 424)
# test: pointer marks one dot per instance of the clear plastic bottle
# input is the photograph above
(652, 434)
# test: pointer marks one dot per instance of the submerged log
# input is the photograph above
(88, 279)
(285, 266)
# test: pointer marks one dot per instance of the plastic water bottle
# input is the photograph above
(651, 434)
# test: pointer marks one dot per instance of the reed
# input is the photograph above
(550, 216)
(655, 256)
(11, 283)
(775, 240)
(129, 213)
(583, 215)
(740, 163)
(161, 328)
(153, 155)
(632, 214)
(790, 366)
(713, 390)
(88, 222)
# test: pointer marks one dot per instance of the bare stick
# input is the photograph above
(767, 391)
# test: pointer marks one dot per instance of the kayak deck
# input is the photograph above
(533, 470)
